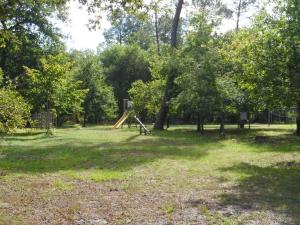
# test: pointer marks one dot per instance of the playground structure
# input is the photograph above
(128, 105)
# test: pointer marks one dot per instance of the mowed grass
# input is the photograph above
(231, 179)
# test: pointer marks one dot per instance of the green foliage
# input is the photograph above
(165, 27)
(198, 91)
(54, 86)
(113, 8)
(14, 111)
(99, 103)
(208, 73)
(230, 97)
(122, 66)
(1, 76)
(129, 29)
(259, 56)
(147, 96)
(27, 34)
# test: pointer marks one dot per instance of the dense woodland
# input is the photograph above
(171, 60)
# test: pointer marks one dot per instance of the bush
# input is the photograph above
(14, 111)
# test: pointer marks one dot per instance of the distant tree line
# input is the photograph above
(171, 64)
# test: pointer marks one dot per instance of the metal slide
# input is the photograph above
(121, 120)
(143, 126)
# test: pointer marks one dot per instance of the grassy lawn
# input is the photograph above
(97, 176)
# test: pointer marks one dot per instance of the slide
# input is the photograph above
(143, 126)
(121, 120)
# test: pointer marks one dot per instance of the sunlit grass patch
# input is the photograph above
(63, 185)
(96, 175)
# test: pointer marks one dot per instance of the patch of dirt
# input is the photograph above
(109, 203)
(94, 203)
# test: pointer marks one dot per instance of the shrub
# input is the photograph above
(14, 111)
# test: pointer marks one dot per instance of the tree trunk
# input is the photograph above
(84, 120)
(175, 24)
(162, 115)
(242, 124)
(156, 30)
(222, 124)
(298, 119)
(60, 120)
(48, 117)
(269, 117)
(168, 122)
(238, 15)
(200, 122)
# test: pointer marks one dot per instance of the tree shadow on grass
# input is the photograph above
(259, 139)
(34, 138)
(79, 155)
(275, 188)
(24, 136)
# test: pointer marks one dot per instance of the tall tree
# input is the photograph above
(156, 28)
(52, 87)
(122, 66)
(99, 103)
(26, 33)
(240, 7)
(215, 10)
(198, 92)
(291, 9)
(264, 64)
(162, 115)
(129, 29)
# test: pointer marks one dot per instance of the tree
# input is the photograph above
(263, 57)
(142, 30)
(146, 96)
(197, 83)
(14, 111)
(128, 29)
(241, 6)
(99, 103)
(164, 27)
(52, 88)
(215, 11)
(291, 10)
(198, 92)
(122, 65)
(208, 7)
(162, 115)
(26, 33)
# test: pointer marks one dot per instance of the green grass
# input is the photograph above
(234, 170)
